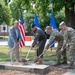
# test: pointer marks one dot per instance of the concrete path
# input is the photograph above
(5, 42)
(27, 43)
(69, 71)
(27, 67)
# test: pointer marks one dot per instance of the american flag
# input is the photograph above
(22, 30)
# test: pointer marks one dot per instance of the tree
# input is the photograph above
(15, 10)
(43, 7)
(5, 14)
(69, 6)
(60, 16)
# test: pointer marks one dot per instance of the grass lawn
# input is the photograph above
(4, 37)
(4, 54)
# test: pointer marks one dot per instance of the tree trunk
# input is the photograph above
(70, 16)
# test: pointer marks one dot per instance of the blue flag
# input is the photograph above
(36, 21)
(52, 21)
(53, 24)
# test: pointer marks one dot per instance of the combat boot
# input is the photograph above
(64, 62)
(57, 64)
(70, 66)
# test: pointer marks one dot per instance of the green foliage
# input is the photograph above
(28, 18)
(5, 14)
(15, 10)
(42, 9)
(59, 4)
(60, 16)
(5, 1)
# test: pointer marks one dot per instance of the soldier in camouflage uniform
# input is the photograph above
(55, 35)
(40, 37)
(69, 39)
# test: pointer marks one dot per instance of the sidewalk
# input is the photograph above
(5, 42)
(69, 71)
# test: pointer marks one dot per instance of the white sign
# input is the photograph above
(3, 28)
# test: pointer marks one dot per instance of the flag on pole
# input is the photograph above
(52, 21)
(53, 24)
(22, 31)
(36, 21)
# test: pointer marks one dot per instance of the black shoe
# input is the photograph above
(69, 67)
(64, 62)
(57, 64)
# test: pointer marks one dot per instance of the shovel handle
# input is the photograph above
(14, 47)
(28, 53)
(41, 54)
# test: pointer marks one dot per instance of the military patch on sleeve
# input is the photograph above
(36, 34)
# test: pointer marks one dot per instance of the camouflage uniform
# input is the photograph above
(40, 37)
(57, 36)
(69, 38)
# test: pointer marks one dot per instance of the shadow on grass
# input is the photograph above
(32, 55)
(4, 56)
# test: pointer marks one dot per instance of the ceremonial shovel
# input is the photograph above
(41, 54)
(13, 47)
(38, 58)
(26, 58)
(58, 53)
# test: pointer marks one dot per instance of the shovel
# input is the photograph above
(13, 47)
(58, 53)
(38, 58)
(26, 58)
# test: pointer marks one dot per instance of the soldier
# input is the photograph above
(55, 35)
(39, 36)
(69, 39)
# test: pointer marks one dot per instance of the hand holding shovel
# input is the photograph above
(14, 47)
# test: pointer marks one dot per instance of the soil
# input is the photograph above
(53, 71)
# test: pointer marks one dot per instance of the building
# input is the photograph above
(4, 29)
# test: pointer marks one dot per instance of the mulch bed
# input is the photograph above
(53, 71)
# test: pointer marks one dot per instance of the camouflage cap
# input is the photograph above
(62, 23)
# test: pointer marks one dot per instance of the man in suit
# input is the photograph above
(14, 38)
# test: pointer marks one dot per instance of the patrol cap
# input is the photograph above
(47, 28)
(61, 24)
(16, 22)
(33, 25)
